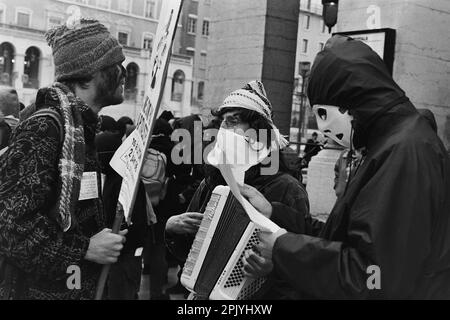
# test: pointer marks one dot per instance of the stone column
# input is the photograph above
(422, 49)
(253, 40)
(186, 99)
(18, 71)
(140, 87)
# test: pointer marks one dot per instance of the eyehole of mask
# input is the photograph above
(342, 110)
(340, 136)
(322, 113)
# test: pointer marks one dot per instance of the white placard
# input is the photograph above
(88, 186)
(128, 159)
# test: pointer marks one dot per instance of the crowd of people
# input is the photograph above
(392, 185)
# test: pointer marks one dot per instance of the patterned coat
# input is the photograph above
(30, 237)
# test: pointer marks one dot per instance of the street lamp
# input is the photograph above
(303, 71)
(329, 13)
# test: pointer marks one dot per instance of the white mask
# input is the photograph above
(235, 150)
(334, 124)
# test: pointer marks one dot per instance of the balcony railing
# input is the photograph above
(21, 28)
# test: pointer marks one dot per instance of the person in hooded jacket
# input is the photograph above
(388, 236)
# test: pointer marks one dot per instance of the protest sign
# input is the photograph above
(129, 158)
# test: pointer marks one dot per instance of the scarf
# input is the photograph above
(72, 156)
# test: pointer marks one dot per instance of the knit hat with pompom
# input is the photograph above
(82, 49)
(253, 97)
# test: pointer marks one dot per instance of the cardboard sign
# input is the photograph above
(129, 158)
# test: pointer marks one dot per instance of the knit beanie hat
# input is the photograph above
(83, 49)
(253, 96)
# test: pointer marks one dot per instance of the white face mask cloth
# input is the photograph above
(234, 150)
(334, 124)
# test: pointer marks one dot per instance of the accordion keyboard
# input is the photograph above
(195, 253)
(213, 269)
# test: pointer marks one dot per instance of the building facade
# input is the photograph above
(192, 41)
(421, 64)
(311, 37)
(26, 61)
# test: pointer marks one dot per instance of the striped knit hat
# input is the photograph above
(253, 96)
(83, 49)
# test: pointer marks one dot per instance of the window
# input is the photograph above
(131, 81)
(205, 29)
(323, 26)
(122, 37)
(150, 9)
(53, 21)
(321, 44)
(178, 85)
(125, 6)
(308, 6)
(190, 51)
(31, 68)
(7, 59)
(200, 91)
(203, 60)
(147, 42)
(23, 18)
(304, 46)
(104, 4)
(192, 24)
(307, 21)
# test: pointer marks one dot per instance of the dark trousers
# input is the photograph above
(155, 259)
(124, 279)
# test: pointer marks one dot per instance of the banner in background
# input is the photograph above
(129, 158)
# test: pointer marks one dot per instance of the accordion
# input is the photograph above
(213, 269)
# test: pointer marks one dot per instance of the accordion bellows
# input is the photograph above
(213, 269)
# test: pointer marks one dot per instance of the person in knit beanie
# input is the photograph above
(82, 50)
(252, 97)
(51, 208)
(244, 112)
(87, 57)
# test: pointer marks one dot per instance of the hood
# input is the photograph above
(349, 74)
(429, 116)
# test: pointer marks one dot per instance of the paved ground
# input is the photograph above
(144, 293)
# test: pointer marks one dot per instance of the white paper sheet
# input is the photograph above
(88, 186)
(255, 216)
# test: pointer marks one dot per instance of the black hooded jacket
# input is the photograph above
(395, 213)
